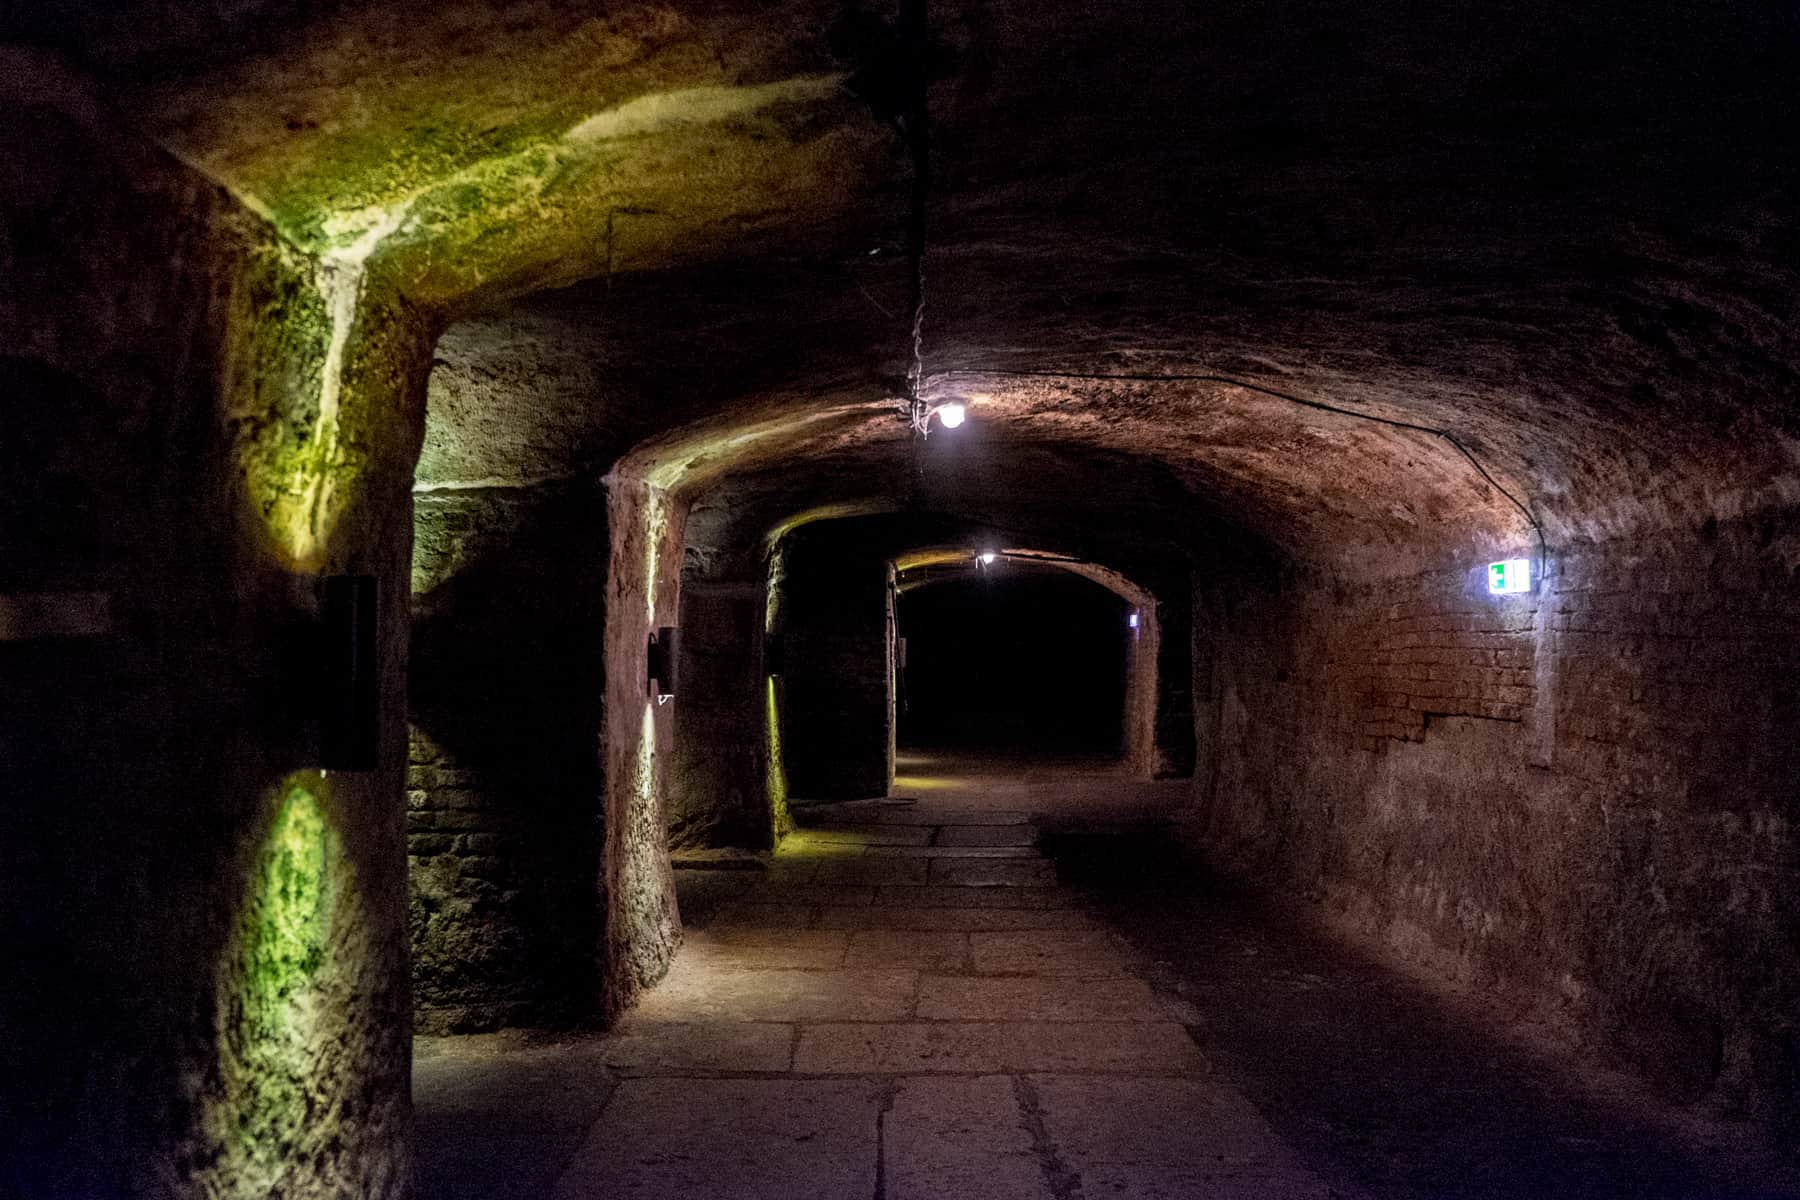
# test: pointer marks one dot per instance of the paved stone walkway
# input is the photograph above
(905, 1006)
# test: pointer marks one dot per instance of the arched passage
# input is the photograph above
(1317, 317)
(1131, 630)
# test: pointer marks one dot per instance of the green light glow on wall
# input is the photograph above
(272, 1003)
(775, 771)
(285, 925)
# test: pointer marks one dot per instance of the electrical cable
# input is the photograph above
(915, 123)
(1455, 443)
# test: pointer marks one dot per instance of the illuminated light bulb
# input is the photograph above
(952, 415)
(987, 556)
(1133, 621)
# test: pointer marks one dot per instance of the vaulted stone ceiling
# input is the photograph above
(1581, 266)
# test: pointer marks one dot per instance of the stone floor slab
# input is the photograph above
(790, 872)
(755, 947)
(936, 950)
(1036, 998)
(989, 872)
(935, 851)
(648, 1046)
(1047, 952)
(895, 916)
(694, 992)
(1166, 1138)
(752, 914)
(871, 834)
(987, 835)
(923, 812)
(949, 1138)
(1202, 1184)
(753, 1139)
(775, 891)
(956, 896)
(494, 1124)
(988, 1047)
(862, 870)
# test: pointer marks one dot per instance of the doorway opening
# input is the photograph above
(1013, 662)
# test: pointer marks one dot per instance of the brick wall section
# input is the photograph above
(1593, 804)
(1440, 652)
(504, 788)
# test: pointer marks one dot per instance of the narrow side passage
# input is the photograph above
(907, 1003)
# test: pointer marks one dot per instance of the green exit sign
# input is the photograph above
(1509, 577)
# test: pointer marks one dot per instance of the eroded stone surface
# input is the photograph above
(960, 1047)
(1048, 952)
(674, 1139)
(950, 896)
(990, 872)
(749, 992)
(902, 916)
(642, 1046)
(960, 1137)
(972, 998)
(986, 835)
(927, 949)
(1167, 1139)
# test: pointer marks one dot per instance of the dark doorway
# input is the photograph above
(1014, 660)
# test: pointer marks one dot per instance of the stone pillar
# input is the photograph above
(643, 581)
(207, 990)
(719, 766)
(504, 785)
(838, 717)
(1139, 726)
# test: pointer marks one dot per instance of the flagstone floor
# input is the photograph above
(907, 1005)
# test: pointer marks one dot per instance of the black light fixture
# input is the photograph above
(664, 653)
(350, 708)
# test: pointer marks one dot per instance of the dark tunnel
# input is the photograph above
(879, 598)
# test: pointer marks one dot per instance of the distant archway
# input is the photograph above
(1142, 639)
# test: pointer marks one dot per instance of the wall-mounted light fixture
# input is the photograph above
(1510, 577)
(350, 709)
(986, 558)
(1131, 622)
(951, 415)
(664, 653)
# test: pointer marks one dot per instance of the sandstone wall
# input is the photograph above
(1586, 792)
(206, 992)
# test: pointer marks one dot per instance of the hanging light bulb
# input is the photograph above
(951, 415)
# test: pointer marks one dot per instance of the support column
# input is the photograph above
(208, 992)
(719, 767)
(837, 616)
(643, 581)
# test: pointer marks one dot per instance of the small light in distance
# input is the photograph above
(987, 556)
(1132, 621)
(951, 415)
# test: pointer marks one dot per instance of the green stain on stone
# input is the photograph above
(268, 1106)
(285, 926)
